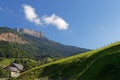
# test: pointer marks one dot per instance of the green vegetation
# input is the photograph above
(12, 50)
(100, 64)
(37, 48)
(27, 63)
(4, 73)
(5, 61)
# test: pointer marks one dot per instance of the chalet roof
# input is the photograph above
(14, 69)
(19, 66)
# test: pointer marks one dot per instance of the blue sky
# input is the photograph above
(84, 23)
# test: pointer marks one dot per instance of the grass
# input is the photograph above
(6, 62)
(100, 64)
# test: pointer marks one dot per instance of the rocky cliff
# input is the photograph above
(11, 37)
(31, 32)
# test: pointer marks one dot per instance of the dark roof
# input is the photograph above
(13, 69)
(18, 66)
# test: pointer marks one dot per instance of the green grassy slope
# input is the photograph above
(5, 62)
(100, 64)
(27, 63)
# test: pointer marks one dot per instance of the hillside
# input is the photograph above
(40, 38)
(25, 43)
(100, 64)
(27, 63)
(10, 37)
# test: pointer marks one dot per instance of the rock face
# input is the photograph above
(31, 32)
(11, 37)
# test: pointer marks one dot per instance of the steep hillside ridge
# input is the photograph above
(11, 37)
(40, 38)
(38, 47)
(100, 64)
(13, 45)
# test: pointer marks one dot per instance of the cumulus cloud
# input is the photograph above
(31, 14)
(56, 21)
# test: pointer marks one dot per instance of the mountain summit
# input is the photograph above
(31, 32)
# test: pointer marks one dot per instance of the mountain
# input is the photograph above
(39, 37)
(30, 32)
(20, 42)
(100, 64)
(11, 37)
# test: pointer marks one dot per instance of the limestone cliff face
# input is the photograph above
(31, 32)
(11, 37)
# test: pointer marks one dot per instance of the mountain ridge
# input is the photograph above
(37, 34)
(39, 46)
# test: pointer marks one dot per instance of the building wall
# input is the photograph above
(15, 74)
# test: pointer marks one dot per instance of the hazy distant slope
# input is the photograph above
(100, 64)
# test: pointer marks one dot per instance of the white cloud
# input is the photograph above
(56, 21)
(31, 15)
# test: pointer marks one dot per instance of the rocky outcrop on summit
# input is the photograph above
(31, 32)
(11, 37)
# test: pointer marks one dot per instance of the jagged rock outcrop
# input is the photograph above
(11, 37)
(31, 32)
